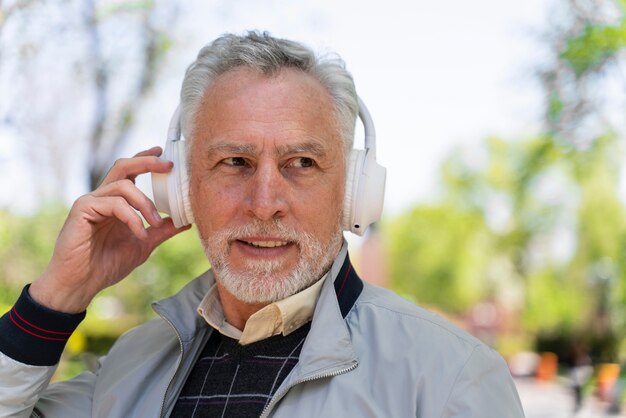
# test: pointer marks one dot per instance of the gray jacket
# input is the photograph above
(369, 353)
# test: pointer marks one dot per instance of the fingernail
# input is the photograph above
(156, 216)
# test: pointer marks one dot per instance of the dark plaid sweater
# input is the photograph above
(231, 380)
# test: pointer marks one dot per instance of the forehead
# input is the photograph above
(243, 104)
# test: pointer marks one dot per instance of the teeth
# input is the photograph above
(267, 244)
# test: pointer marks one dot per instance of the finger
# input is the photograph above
(156, 151)
(99, 209)
(135, 197)
(129, 168)
(159, 234)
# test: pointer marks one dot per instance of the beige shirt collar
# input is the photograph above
(284, 316)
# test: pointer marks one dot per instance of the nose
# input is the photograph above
(268, 193)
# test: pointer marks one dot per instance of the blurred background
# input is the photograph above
(501, 124)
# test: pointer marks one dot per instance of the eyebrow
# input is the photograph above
(232, 148)
(312, 147)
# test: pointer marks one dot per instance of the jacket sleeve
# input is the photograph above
(483, 388)
(20, 386)
(68, 399)
(32, 338)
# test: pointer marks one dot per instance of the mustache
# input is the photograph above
(274, 228)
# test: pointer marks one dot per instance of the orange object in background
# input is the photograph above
(547, 367)
(608, 373)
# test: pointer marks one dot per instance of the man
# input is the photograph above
(281, 326)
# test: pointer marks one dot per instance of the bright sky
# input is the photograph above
(433, 74)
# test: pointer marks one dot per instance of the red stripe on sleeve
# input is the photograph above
(32, 333)
(40, 329)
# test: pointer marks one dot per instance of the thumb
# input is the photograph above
(159, 234)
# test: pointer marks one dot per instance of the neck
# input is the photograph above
(237, 312)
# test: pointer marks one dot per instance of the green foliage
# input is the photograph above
(439, 257)
(26, 245)
(593, 46)
(171, 266)
(555, 107)
(553, 304)
(589, 46)
(111, 9)
(454, 254)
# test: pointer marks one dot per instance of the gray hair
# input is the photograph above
(268, 55)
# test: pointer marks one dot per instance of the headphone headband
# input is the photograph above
(368, 126)
(174, 129)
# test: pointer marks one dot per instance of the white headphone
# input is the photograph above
(365, 180)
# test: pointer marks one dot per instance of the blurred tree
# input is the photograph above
(100, 57)
(585, 84)
(584, 76)
(492, 215)
(536, 214)
(438, 256)
(548, 209)
(26, 244)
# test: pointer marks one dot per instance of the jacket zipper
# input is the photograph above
(279, 395)
(180, 359)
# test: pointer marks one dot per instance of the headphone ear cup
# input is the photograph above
(354, 164)
(171, 190)
(187, 217)
(365, 191)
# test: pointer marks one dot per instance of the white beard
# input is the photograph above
(261, 281)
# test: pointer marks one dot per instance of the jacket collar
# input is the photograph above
(340, 290)
(180, 310)
(348, 286)
(328, 347)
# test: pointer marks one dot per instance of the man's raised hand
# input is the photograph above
(104, 238)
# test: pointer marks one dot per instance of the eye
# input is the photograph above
(302, 162)
(235, 161)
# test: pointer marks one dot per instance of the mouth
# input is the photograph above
(265, 244)
(264, 247)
